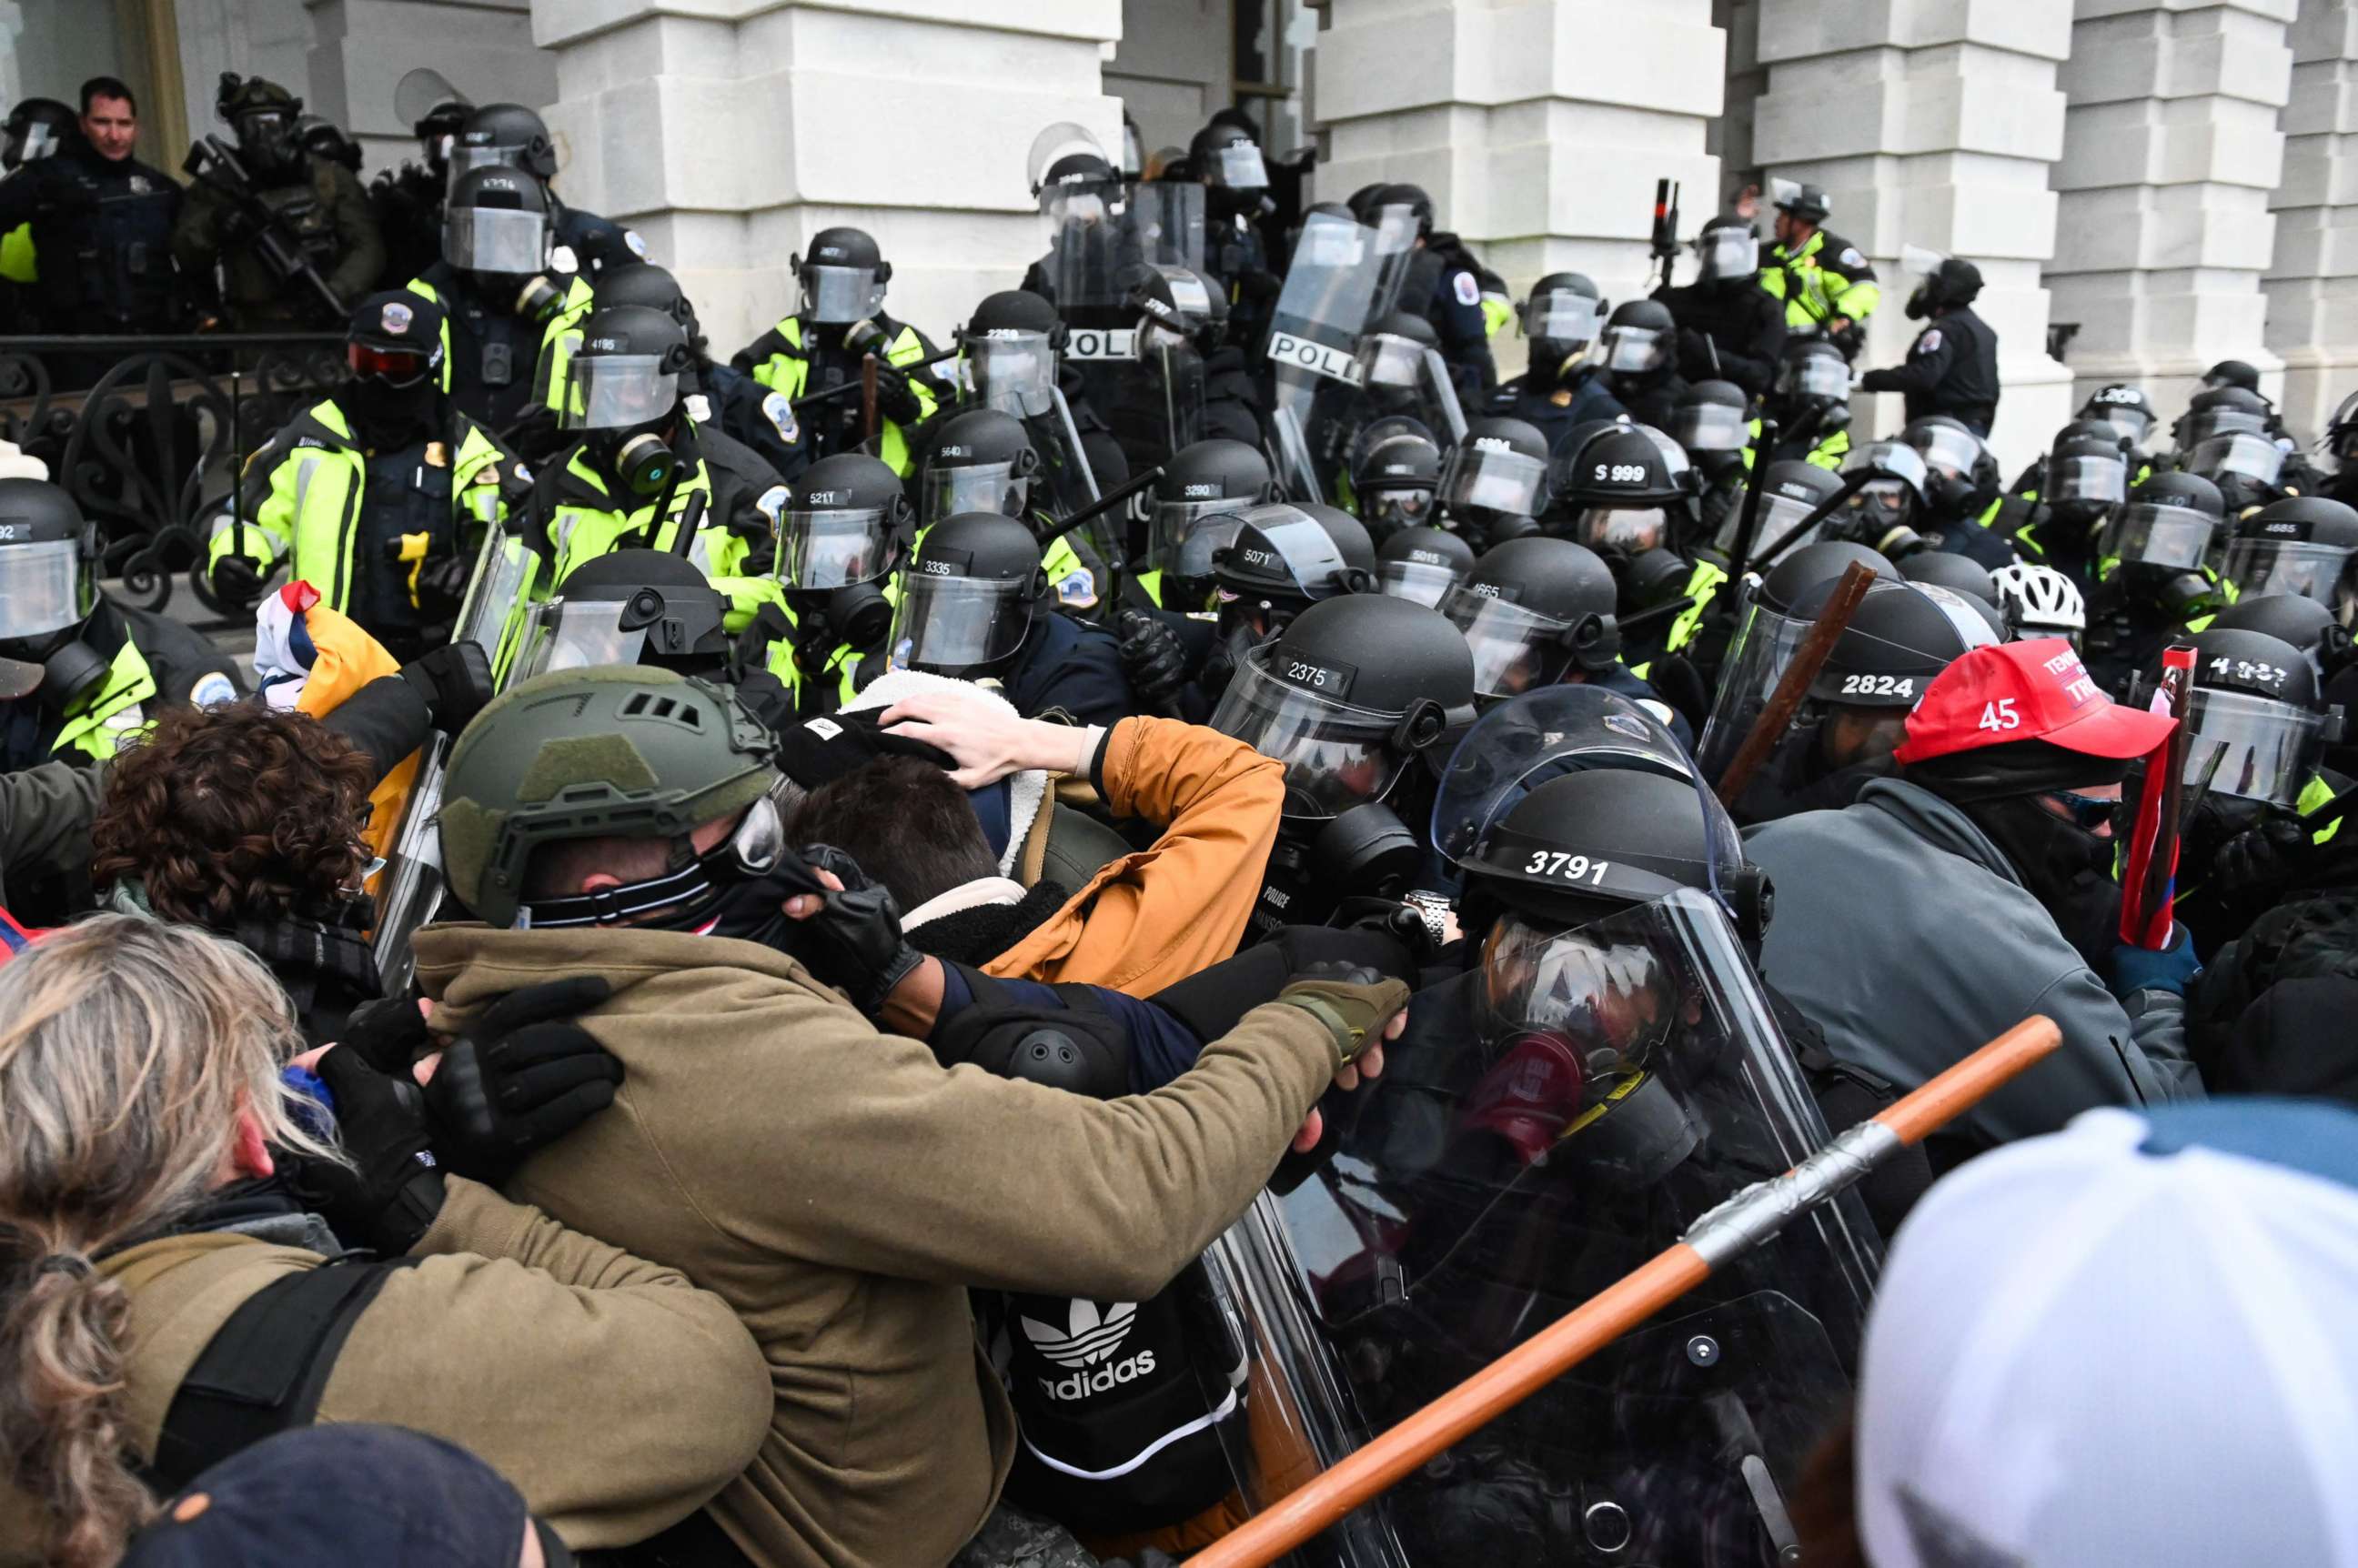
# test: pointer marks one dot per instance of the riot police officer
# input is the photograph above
(2224, 435)
(846, 532)
(1203, 492)
(1564, 387)
(1227, 159)
(2130, 413)
(733, 403)
(508, 318)
(1713, 426)
(511, 135)
(1771, 623)
(1952, 367)
(1349, 696)
(1811, 403)
(409, 201)
(377, 494)
(636, 607)
(820, 348)
(1422, 565)
(79, 673)
(1639, 350)
(1730, 328)
(2084, 479)
(635, 473)
(1185, 315)
(1618, 497)
(2301, 544)
(975, 605)
(984, 460)
(1444, 286)
(1539, 610)
(2150, 577)
(1828, 286)
(313, 204)
(88, 227)
(1493, 481)
(1395, 473)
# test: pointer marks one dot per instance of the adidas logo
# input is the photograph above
(1087, 1343)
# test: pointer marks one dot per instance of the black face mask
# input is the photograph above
(389, 415)
(748, 909)
(2065, 867)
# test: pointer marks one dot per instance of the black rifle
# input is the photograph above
(212, 163)
(1666, 226)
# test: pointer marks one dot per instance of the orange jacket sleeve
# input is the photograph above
(1151, 919)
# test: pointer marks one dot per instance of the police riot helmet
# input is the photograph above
(1792, 580)
(969, 598)
(1009, 345)
(496, 223)
(1346, 695)
(1498, 468)
(1812, 371)
(1422, 564)
(2256, 720)
(846, 525)
(1881, 512)
(1640, 337)
(2303, 622)
(1901, 636)
(1560, 318)
(1635, 835)
(1532, 609)
(645, 283)
(37, 128)
(1286, 555)
(618, 752)
(843, 278)
(48, 585)
(1727, 250)
(1958, 574)
(2087, 471)
(1947, 444)
(2161, 538)
(1226, 154)
(1413, 199)
(1199, 503)
(2223, 410)
(631, 607)
(1807, 202)
(507, 133)
(2126, 408)
(2341, 434)
(624, 389)
(1619, 494)
(1179, 307)
(1955, 282)
(324, 139)
(1395, 468)
(981, 459)
(1391, 354)
(262, 115)
(2301, 544)
(2232, 373)
(1712, 416)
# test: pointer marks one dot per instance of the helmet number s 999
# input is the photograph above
(1621, 473)
(1571, 868)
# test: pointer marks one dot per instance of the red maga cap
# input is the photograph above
(2036, 690)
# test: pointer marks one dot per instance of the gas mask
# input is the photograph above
(640, 458)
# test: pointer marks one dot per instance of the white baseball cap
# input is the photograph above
(2134, 1342)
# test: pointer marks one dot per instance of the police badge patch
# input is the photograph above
(780, 413)
(1469, 291)
(397, 318)
(1850, 257)
(1929, 342)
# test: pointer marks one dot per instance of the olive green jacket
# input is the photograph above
(614, 1395)
(842, 1189)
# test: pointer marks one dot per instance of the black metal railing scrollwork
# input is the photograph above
(149, 435)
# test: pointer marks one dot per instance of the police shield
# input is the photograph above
(1548, 1123)
(1344, 274)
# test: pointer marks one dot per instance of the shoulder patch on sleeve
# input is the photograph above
(1929, 344)
(638, 246)
(773, 504)
(1850, 257)
(562, 259)
(1077, 588)
(780, 413)
(1469, 291)
(212, 690)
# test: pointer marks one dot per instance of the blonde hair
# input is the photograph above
(127, 1047)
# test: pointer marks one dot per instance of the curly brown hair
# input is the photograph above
(234, 812)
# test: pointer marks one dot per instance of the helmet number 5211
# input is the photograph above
(1571, 868)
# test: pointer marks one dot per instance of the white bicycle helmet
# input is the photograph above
(2039, 601)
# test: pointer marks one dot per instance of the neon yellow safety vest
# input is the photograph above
(18, 262)
(790, 373)
(586, 525)
(1823, 295)
(316, 482)
(115, 717)
(559, 338)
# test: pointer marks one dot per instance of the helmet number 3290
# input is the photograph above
(1571, 868)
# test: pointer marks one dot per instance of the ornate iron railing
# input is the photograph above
(152, 445)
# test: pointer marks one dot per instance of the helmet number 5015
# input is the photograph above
(1571, 868)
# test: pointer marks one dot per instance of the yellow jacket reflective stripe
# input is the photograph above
(1701, 588)
(2315, 797)
(790, 373)
(578, 532)
(115, 716)
(18, 262)
(1823, 295)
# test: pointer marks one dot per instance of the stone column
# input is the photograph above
(361, 50)
(2313, 284)
(2170, 148)
(729, 132)
(1730, 136)
(1931, 123)
(1540, 128)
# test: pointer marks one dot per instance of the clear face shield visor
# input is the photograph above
(2315, 571)
(838, 296)
(1237, 167)
(2263, 749)
(1766, 641)
(617, 392)
(1710, 428)
(1419, 582)
(1337, 756)
(1947, 450)
(1814, 376)
(1484, 479)
(465, 156)
(1014, 373)
(1562, 316)
(1514, 649)
(578, 634)
(2144, 533)
(1635, 350)
(44, 588)
(1633, 529)
(2096, 481)
(976, 487)
(1542, 735)
(1727, 253)
(1184, 536)
(948, 623)
(1388, 361)
(1779, 516)
(2201, 428)
(2241, 453)
(495, 240)
(37, 140)
(2129, 422)
(832, 548)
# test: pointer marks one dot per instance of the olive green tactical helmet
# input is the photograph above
(624, 751)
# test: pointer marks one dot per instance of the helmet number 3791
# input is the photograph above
(1571, 868)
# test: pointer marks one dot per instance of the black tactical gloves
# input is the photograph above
(895, 399)
(1153, 659)
(455, 682)
(522, 1078)
(388, 1197)
(854, 943)
(237, 580)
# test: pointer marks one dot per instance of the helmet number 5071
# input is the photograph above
(1571, 868)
